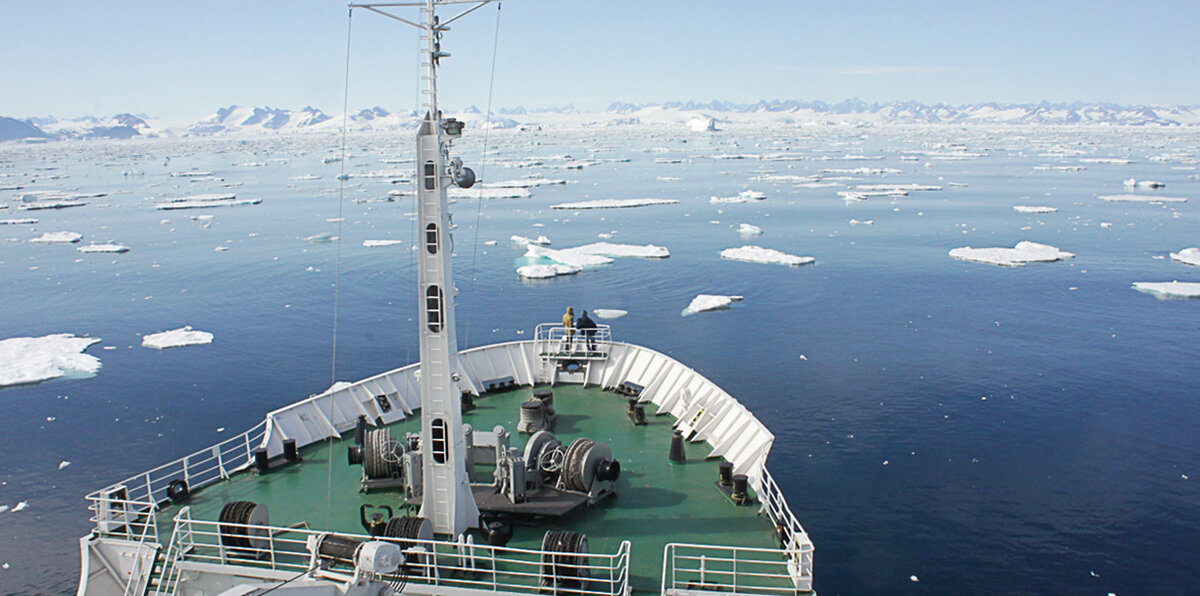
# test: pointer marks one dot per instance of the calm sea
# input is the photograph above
(987, 430)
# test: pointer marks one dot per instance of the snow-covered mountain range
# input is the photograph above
(240, 120)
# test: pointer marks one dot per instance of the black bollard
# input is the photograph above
(677, 454)
(260, 460)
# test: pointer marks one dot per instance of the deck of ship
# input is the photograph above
(656, 502)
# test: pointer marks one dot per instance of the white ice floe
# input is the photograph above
(93, 248)
(758, 254)
(489, 243)
(1169, 289)
(25, 360)
(1024, 252)
(455, 192)
(609, 313)
(746, 196)
(58, 238)
(705, 302)
(322, 238)
(1034, 209)
(374, 243)
(524, 183)
(63, 464)
(27, 221)
(749, 230)
(886, 187)
(862, 195)
(306, 177)
(609, 249)
(567, 257)
(1133, 182)
(20, 506)
(1142, 199)
(546, 271)
(205, 201)
(177, 338)
(1187, 256)
(614, 203)
(523, 241)
(856, 222)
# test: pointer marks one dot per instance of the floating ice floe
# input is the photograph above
(1169, 289)
(20, 506)
(45, 205)
(570, 257)
(524, 183)
(190, 174)
(614, 203)
(1024, 252)
(546, 271)
(18, 222)
(746, 196)
(25, 360)
(58, 238)
(205, 202)
(1133, 182)
(609, 313)
(523, 241)
(893, 187)
(758, 254)
(856, 222)
(862, 195)
(93, 248)
(177, 338)
(749, 230)
(63, 464)
(706, 302)
(1142, 199)
(1034, 209)
(322, 238)
(306, 177)
(1187, 256)
(609, 249)
(455, 192)
(375, 243)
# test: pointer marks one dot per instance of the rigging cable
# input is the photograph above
(487, 128)
(337, 270)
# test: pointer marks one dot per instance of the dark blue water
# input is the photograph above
(1037, 423)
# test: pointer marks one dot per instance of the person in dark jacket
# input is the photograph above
(587, 327)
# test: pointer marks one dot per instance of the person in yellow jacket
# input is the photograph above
(569, 334)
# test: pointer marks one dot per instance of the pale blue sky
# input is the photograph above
(184, 59)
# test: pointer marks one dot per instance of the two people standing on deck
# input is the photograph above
(584, 324)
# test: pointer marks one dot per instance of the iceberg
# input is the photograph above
(609, 313)
(93, 248)
(455, 192)
(758, 254)
(1169, 289)
(375, 243)
(749, 230)
(746, 196)
(205, 201)
(25, 360)
(1187, 256)
(1142, 199)
(610, 249)
(705, 302)
(546, 271)
(567, 257)
(1024, 252)
(523, 241)
(614, 203)
(1034, 209)
(58, 238)
(177, 338)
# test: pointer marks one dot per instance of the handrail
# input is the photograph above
(793, 538)
(692, 568)
(556, 338)
(429, 562)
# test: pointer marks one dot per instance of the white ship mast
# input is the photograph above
(446, 500)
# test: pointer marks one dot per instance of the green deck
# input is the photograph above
(656, 501)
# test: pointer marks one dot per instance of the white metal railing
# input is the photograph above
(698, 569)
(792, 537)
(430, 563)
(142, 493)
(554, 338)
